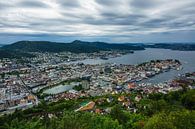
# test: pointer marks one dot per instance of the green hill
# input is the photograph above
(75, 46)
(13, 54)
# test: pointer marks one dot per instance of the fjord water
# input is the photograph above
(187, 59)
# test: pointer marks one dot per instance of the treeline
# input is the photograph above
(157, 111)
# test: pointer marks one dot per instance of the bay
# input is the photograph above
(187, 58)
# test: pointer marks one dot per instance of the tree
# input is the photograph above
(188, 99)
(118, 114)
(156, 106)
(182, 119)
(136, 121)
(159, 121)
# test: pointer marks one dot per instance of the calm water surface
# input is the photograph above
(187, 59)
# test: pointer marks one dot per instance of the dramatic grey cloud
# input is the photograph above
(145, 3)
(31, 4)
(103, 20)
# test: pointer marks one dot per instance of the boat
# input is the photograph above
(104, 58)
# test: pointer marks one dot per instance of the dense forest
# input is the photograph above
(163, 111)
(13, 54)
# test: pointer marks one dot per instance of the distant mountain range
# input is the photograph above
(76, 46)
(22, 48)
(175, 46)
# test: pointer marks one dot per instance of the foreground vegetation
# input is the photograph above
(172, 111)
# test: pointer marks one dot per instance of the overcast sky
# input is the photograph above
(97, 20)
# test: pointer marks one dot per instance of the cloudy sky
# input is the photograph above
(97, 20)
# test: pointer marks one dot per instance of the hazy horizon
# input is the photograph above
(102, 41)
